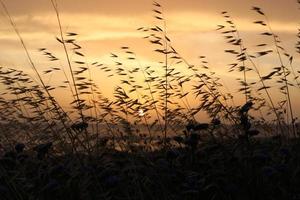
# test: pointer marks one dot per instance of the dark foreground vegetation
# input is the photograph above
(266, 169)
(146, 142)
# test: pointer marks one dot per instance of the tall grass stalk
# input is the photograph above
(57, 108)
(285, 76)
(55, 6)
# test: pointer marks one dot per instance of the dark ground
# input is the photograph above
(262, 169)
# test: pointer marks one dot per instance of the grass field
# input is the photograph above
(146, 142)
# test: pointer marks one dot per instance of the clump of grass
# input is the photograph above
(146, 141)
(165, 95)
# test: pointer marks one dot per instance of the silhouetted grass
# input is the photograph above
(146, 142)
(261, 169)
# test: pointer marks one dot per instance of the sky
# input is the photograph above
(106, 25)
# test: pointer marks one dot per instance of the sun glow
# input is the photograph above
(141, 112)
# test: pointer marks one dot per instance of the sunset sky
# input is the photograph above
(105, 26)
